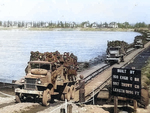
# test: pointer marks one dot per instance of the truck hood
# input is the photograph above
(34, 76)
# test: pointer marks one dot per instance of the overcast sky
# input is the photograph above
(131, 11)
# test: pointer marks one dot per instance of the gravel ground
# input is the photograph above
(26, 108)
(140, 60)
(18, 108)
(6, 100)
(76, 109)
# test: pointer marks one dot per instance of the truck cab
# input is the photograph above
(114, 55)
(138, 42)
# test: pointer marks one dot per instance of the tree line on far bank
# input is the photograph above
(60, 24)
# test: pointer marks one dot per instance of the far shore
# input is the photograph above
(66, 29)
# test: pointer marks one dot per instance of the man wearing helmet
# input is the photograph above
(81, 89)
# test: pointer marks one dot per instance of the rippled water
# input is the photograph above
(15, 46)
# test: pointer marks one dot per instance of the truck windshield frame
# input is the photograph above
(114, 49)
(40, 65)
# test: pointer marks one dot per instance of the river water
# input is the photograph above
(15, 46)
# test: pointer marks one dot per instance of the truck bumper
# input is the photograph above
(138, 45)
(148, 39)
(24, 91)
(112, 59)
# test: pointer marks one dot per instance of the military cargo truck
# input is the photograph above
(116, 50)
(139, 42)
(48, 76)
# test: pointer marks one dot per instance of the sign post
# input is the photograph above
(135, 105)
(126, 83)
(115, 104)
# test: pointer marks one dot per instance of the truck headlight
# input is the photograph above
(22, 80)
(108, 56)
(39, 82)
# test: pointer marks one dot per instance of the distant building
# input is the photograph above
(45, 24)
(104, 25)
(94, 25)
(29, 24)
(14, 24)
(86, 25)
(113, 25)
(5, 24)
(73, 24)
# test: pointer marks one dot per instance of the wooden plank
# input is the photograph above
(115, 104)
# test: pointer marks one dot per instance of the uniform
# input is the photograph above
(81, 90)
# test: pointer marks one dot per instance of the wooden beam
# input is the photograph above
(135, 105)
(115, 104)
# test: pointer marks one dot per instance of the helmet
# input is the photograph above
(81, 76)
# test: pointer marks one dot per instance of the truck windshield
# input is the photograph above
(114, 49)
(40, 66)
(139, 40)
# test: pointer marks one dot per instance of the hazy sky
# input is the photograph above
(131, 11)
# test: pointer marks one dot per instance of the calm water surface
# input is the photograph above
(15, 46)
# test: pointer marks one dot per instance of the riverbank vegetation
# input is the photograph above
(65, 29)
(145, 78)
(71, 26)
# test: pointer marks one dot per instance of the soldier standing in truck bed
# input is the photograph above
(81, 89)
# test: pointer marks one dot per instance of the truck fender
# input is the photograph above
(66, 89)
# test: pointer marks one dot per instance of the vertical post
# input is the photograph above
(69, 108)
(115, 104)
(93, 97)
(66, 105)
(62, 110)
(135, 105)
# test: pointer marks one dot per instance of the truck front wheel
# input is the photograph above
(17, 98)
(46, 97)
(72, 91)
(67, 95)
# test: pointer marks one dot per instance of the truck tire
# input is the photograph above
(67, 95)
(46, 97)
(18, 100)
(72, 92)
(62, 97)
